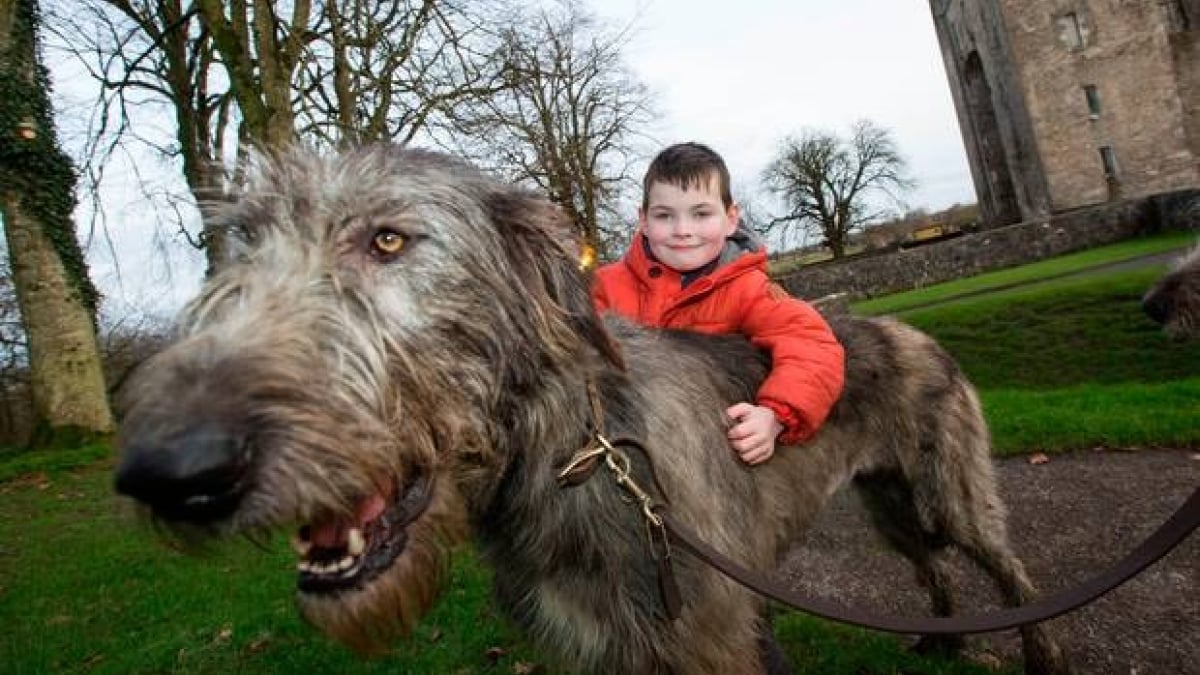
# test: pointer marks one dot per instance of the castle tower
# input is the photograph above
(1070, 103)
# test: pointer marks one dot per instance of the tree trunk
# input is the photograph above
(260, 69)
(56, 298)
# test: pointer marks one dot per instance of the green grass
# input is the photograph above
(18, 461)
(1073, 363)
(1061, 333)
(84, 588)
(1045, 269)
(1137, 415)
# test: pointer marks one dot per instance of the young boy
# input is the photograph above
(692, 265)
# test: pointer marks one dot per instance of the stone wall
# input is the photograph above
(871, 275)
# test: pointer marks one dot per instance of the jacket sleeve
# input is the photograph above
(808, 363)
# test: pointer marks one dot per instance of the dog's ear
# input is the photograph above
(544, 250)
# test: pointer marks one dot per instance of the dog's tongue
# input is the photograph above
(333, 534)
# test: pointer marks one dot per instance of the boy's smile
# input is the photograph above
(686, 228)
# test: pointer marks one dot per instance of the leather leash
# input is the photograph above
(583, 464)
(1168, 536)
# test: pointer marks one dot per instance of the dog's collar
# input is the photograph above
(582, 466)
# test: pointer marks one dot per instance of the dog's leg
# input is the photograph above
(955, 493)
(934, 574)
(1042, 653)
(889, 499)
(963, 501)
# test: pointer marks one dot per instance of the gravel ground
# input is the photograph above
(1069, 519)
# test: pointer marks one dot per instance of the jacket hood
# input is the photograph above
(743, 240)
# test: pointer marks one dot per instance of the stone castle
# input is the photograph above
(1072, 103)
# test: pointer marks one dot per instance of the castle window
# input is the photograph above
(1070, 31)
(1109, 159)
(1093, 100)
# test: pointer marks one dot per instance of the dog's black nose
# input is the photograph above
(197, 475)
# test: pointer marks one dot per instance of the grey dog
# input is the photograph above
(401, 353)
(1175, 300)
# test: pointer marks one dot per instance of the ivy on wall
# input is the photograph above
(31, 163)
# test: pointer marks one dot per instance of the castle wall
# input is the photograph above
(1138, 135)
(988, 97)
(1123, 50)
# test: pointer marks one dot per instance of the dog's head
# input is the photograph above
(348, 368)
(1175, 300)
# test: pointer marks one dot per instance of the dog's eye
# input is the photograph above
(387, 243)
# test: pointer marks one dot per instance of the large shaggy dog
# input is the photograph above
(401, 352)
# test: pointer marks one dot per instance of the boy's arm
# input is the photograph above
(807, 362)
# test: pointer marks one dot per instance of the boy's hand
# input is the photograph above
(753, 433)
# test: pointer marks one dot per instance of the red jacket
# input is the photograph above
(737, 297)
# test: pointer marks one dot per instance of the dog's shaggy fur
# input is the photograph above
(1175, 300)
(399, 350)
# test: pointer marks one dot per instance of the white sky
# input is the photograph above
(738, 76)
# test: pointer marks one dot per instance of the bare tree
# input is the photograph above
(262, 73)
(825, 182)
(260, 50)
(569, 121)
(392, 71)
(155, 62)
(55, 295)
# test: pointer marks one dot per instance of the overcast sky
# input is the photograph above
(738, 76)
(742, 75)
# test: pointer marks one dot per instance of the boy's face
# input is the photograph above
(686, 229)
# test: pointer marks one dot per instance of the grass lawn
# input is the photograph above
(1069, 363)
(87, 589)
(1073, 363)
(84, 588)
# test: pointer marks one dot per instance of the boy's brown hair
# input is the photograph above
(687, 166)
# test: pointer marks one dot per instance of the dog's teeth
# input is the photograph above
(345, 564)
(304, 566)
(355, 542)
(300, 545)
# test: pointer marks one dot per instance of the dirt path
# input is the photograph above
(1069, 519)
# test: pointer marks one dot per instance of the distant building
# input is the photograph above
(1069, 103)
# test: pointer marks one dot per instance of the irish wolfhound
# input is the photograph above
(401, 352)
(1175, 300)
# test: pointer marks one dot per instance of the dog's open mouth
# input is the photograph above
(347, 552)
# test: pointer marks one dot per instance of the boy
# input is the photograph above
(692, 265)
